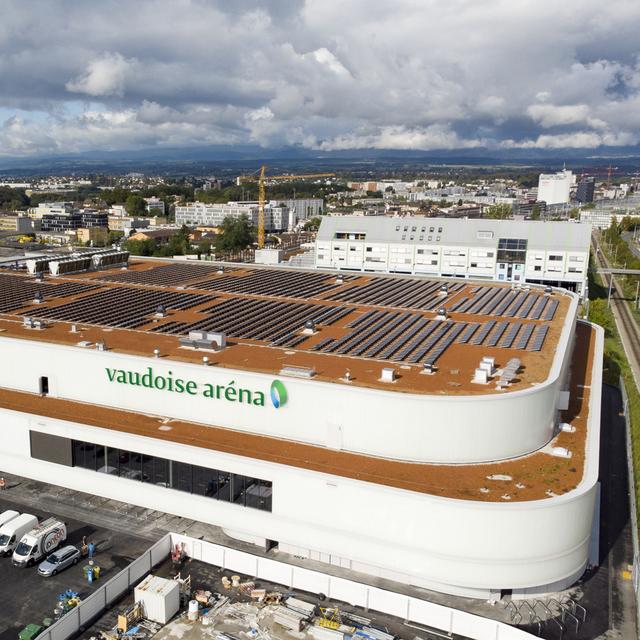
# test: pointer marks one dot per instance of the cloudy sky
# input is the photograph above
(79, 75)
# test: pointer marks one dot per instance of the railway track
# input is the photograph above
(628, 329)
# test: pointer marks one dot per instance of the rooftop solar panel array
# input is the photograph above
(538, 338)
(276, 322)
(389, 292)
(163, 275)
(118, 307)
(17, 292)
(501, 301)
(271, 282)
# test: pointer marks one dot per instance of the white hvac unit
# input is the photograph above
(160, 598)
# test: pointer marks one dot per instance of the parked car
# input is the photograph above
(59, 560)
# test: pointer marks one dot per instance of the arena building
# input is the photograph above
(442, 433)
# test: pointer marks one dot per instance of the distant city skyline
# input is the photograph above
(321, 76)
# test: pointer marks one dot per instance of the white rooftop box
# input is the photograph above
(160, 598)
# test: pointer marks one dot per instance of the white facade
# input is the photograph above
(276, 217)
(303, 208)
(455, 546)
(554, 188)
(554, 252)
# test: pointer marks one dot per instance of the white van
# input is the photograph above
(11, 533)
(39, 542)
(7, 516)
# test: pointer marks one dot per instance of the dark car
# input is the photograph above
(59, 560)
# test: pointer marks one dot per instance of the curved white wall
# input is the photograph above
(424, 428)
(450, 545)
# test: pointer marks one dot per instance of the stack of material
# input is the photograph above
(322, 633)
(301, 606)
(371, 633)
(289, 619)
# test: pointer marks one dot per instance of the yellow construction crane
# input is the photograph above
(260, 177)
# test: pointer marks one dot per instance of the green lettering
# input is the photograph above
(191, 388)
(245, 396)
(134, 378)
(209, 391)
(179, 386)
(218, 391)
(147, 379)
(111, 373)
(258, 401)
(230, 392)
(121, 377)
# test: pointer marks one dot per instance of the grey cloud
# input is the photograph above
(418, 74)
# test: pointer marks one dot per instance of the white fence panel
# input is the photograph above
(117, 586)
(433, 615)
(66, 626)
(348, 591)
(138, 568)
(388, 602)
(213, 554)
(275, 571)
(241, 562)
(160, 550)
(92, 606)
(466, 624)
(312, 581)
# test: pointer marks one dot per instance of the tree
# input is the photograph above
(535, 212)
(135, 205)
(312, 224)
(498, 211)
(180, 243)
(235, 233)
(141, 247)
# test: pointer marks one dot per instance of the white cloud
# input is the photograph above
(104, 76)
(416, 74)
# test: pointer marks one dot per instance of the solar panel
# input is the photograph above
(497, 334)
(471, 329)
(538, 338)
(550, 311)
(442, 330)
(484, 332)
(444, 345)
(524, 336)
(511, 335)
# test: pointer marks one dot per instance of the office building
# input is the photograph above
(585, 190)
(555, 253)
(554, 188)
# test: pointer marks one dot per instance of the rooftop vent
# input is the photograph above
(221, 269)
(298, 372)
(444, 289)
(480, 376)
(567, 428)
(560, 452)
(428, 368)
(161, 311)
(156, 353)
(38, 298)
(101, 346)
(388, 375)
(548, 291)
(340, 280)
(442, 314)
(74, 328)
(214, 340)
(309, 327)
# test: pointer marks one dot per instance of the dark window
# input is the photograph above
(181, 477)
(512, 250)
(221, 485)
(44, 385)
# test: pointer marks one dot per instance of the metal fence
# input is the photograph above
(110, 591)
(633, 508)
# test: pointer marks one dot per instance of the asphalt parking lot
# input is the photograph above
(26, 597)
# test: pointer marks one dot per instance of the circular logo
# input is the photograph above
(278, 394)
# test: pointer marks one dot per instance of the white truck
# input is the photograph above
(7, 516)
(11, 532)
(39, 542)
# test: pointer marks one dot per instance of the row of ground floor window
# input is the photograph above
(191, 478)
